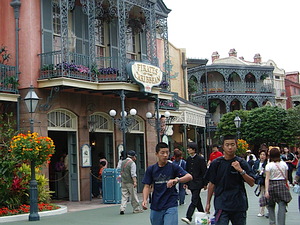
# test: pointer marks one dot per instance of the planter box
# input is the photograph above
(107, 76)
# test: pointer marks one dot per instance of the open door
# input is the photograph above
(73, 166)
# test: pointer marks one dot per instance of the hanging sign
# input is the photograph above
(145, 75)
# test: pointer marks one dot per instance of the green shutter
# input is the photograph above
(47, 34)
(78, 20)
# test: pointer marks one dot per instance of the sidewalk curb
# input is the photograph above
(63, 209)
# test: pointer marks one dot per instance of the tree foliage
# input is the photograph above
(293, 117)
(267, 125)
(226, 125)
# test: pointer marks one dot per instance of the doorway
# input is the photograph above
(136, 142)
(63, 171)
(101, 147)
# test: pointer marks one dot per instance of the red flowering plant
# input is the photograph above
(26, 209)
(32, 147)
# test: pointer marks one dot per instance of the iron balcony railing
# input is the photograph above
(235, 87)
(8, 79)
(79, 66)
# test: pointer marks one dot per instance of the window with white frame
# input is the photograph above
(62, 119)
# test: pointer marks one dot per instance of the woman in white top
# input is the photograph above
(276, 190)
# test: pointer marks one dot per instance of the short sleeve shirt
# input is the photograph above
(215, 155)
(274, 168)
(163, 197)
(230, 192)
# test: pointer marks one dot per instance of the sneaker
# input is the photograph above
(121, 212)
(186, 220)
(260, 215)
(138, 211)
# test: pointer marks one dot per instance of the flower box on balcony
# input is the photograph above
(107, 76)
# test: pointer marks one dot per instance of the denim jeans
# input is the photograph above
(164, 217)
(181, 194)
(280, 214)
(236, 218)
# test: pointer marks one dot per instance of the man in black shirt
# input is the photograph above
(226, 176)
(196, 166)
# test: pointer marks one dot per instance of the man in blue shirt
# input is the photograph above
(226, 176)
(163, 176)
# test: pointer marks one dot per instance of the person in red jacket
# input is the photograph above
(215, 154)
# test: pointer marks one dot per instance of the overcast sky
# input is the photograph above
(268, 27)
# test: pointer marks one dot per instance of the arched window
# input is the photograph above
(62, 119)
(101, 122)
(137, 126)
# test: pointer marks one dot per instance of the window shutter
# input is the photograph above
(78, 29)
(47, 34)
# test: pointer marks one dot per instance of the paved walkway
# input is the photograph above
(95, 213)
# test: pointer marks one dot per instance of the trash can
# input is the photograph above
(111, 186)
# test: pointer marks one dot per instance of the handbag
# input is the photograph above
(295, 162)
(296, 189)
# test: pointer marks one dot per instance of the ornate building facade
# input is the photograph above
(231, 83)
(89, 61)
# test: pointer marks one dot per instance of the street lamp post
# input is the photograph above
(237, 121)
(158, 121)
(31, 101)
(124, 122)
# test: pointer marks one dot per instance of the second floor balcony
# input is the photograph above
(8, 79)
(79, 66)
(235, 87)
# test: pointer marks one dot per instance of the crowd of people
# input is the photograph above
(224, 176)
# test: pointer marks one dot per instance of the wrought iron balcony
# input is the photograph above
(79, 66)
(8, 79)
(235, 87)
(168, 104)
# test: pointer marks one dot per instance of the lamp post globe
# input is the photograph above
(148, 115)
(237, 121)
(112, 113)
(133, 112)
(167, 114)
(31, 100)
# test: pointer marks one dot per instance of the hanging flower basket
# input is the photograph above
(32, 147)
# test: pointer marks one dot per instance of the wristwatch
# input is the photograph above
(243, 172)
(177, 180)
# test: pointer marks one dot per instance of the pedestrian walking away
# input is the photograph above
(163, 176)
(226, 176)
(276, 187)
(129, 183)
(196, 166)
